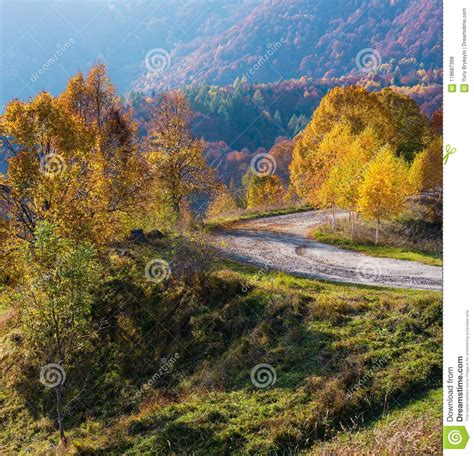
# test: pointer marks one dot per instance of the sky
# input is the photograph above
(44, 42)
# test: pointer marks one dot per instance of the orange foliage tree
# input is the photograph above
(73, 161)
(176, 157)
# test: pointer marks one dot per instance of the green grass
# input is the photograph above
(345, 357)
(385, 251)
(412, 429)
(226, 221)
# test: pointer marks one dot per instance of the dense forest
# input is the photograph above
(242, 119)
(285, 40)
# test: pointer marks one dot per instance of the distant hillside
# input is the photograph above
(44, 43)
(238, 120)
(253, 115)
(283, 39)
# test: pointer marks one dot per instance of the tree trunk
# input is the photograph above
(60, 415)
(333, 219)
(377, 231)
(176, 205)
(352, 226)
(176, 209)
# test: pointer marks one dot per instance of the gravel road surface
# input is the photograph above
(282, 243)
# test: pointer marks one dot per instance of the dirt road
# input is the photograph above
(281, 243)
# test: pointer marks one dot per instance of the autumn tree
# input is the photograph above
(344, 135)
(426, 171)
(55, 295)
(412, 128)
(327, 196)
(222, 201)
(309, 171)
(346, 175)
(72, 161)
(353, 106)
(176, 157)
(384, 188)
(282, 151)
(437, 122)
(342, 115)
(264, 191)
(119, 168)
(426, 174)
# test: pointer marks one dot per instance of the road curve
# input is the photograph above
(281, 243)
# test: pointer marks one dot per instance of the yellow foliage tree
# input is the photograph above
(327, 196)
(384, 188)
(310, 167)
(411, 126)
(426, 171)
(176, 157)
(355, 106)
(346, 176)
(72, 161)
(342, 115)
(222, 202)
(265, 191)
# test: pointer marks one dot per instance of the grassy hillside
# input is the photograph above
(412, 429)
(347, 362)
